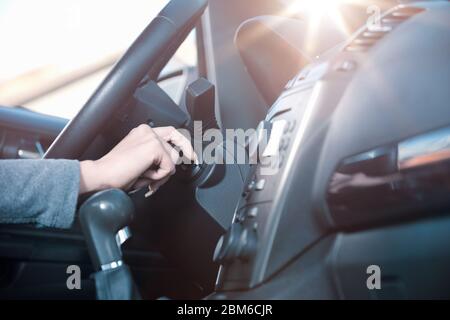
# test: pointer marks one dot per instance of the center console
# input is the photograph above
(248, 252)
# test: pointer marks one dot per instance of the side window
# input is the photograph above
(52, 60)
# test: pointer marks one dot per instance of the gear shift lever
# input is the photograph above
(102, 216)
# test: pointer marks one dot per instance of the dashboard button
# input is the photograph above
(292, 125)
(248, 244)
(284, 144)
(281, 160)
(249, 189)
(252, 212)
(227, 248)
(238, 243)
(260, 185)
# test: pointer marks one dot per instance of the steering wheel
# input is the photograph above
(146, 57)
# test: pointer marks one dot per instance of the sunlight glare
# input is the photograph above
(317, 12)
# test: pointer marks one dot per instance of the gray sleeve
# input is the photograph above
(40, 192)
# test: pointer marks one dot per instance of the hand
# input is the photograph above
(145, 157)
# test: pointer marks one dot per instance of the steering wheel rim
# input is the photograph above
(147, 56)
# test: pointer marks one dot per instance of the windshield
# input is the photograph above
(55, 53)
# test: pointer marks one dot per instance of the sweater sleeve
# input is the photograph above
(40, 192)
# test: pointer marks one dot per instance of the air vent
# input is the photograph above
(369, 37)
(395, 182)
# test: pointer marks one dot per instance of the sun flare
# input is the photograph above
(317, 12)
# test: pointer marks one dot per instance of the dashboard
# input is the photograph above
(347, 115)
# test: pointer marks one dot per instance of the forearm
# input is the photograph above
(91, 177)
(41, 192)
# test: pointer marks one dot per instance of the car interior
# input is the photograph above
(363, 160)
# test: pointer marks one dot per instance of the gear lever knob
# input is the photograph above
(102, 216)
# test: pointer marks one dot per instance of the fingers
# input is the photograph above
(172, 152)
(162, 168)
(136, 137)
(154, 186)
(142, 183)
(165, 157)
(147, 157)
(173, 136)
(164, 163)
(174, 140)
